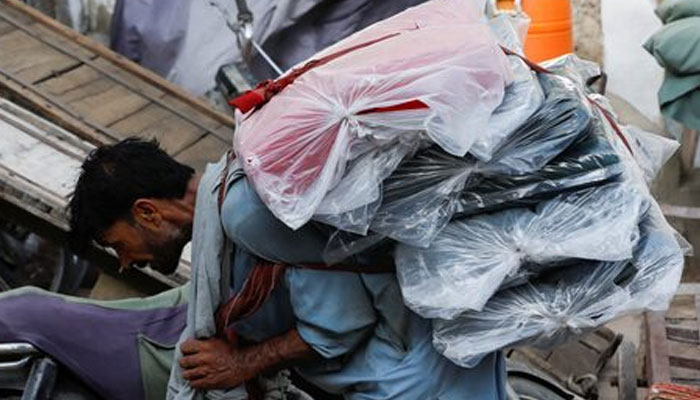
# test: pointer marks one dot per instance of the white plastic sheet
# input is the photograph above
(522, 98)
(295, 148)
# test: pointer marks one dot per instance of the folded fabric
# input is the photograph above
(679, 98)
(421, 196)
(108, 345)
(563, 119)
(673, 10)
(556, 306)
(522, 98)
(591, 162)
(468, 261)
(676, 46)
(381, 83)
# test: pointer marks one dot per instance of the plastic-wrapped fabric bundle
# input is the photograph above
(558, 305)
(421, 196)
(564, 118)
(522, 98)
(468, 261)
(590, 162)
(390, 83)
(351, 205)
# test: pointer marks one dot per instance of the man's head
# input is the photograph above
(134, 198)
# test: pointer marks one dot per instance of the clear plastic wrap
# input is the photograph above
(351, 205)
(590, 162)
(468, 261)
(419, 198)
(522, 98)
(650, 151)
(295, 148)
(563, 303)
(580, 71)
(564, 118)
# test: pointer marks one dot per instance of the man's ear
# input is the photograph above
(146, 213)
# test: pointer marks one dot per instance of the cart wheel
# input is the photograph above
(627, 371)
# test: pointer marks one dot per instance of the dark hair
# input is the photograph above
(113, 177)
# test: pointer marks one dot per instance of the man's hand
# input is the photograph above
(215, 364)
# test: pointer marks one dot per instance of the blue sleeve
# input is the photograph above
(333, 309)
(250, 225)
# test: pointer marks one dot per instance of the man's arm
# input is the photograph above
(215, 364)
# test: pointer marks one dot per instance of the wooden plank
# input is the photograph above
(657, 363)
(223, 132)
(61, 42)
(103, 102)
(172, 132)
(30, 59)
(134, 82)
(674, 333)
(682, 307)
(18, 8)
(689, 146)
(207, 150)
(6, 27)
(61, 86)
(684, 350)
(58, 113)
(684, 375)
(165, 100)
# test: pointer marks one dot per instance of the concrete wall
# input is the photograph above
(588, 30)
(633, 74)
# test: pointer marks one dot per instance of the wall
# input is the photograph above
(632, 73)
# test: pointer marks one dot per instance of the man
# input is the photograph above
(346, 332)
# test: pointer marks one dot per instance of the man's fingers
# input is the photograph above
(194, 374)
(190, 346)
(190, 362)
(200, 384)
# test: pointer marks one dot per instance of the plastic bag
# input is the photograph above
(468, 261)
(522, 98)
(419, 198)
(650, 151)
(564, 118)
(590, 162)
(351, 205)
(585, 295)
(296, 147)
(578, 70)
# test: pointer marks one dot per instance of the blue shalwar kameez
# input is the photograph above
(371, 345)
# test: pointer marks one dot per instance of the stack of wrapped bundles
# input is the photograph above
(516, 206)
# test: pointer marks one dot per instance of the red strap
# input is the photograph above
(612, 123)
(261, 282)
(409, 105)
(269, 88)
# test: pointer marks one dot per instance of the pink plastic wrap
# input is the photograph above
(434, 69)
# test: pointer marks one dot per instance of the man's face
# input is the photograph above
(139, 245)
